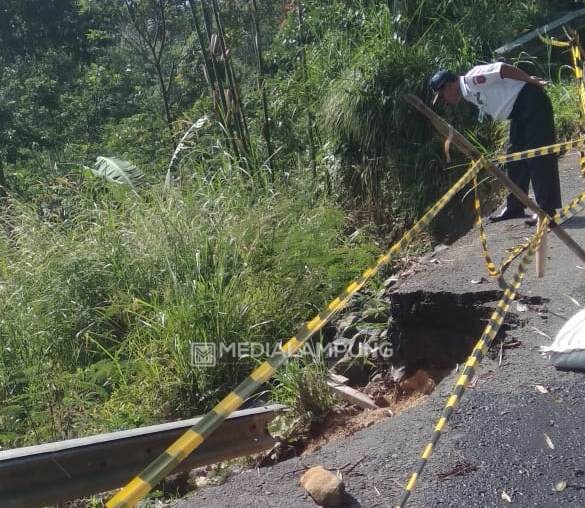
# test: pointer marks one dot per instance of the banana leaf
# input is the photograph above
(117, 171)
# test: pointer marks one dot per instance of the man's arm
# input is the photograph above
(510, 72)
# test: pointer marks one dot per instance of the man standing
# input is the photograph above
(505, 92)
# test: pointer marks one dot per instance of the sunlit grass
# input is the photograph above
(99, 313)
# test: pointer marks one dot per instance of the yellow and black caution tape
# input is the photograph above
(577, 57)
(578, 69)
(554, 42)
(492, 269)
(575, 206)
(513, 253)
(558, 148)
(142, 484)
(479, 351)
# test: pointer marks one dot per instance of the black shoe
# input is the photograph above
(507, 214)
(533, 220)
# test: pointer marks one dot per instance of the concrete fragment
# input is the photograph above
(351, 395)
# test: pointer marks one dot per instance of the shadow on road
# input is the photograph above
(349, 501)
(575, 223)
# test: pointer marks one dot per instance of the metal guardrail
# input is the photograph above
(66, 470)
(530, 42)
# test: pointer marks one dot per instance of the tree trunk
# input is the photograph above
(164, 90)
(155, 55)
(3, 182)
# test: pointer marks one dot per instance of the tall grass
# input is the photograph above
(100, 310)
(565, 99)
(387, 157)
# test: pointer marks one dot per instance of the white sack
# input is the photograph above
(568, 348)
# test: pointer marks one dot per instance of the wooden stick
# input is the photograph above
(541, 254)
(465, 147)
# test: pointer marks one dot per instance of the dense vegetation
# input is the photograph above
(300, 161)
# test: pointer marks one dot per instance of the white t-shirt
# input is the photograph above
(484, 86)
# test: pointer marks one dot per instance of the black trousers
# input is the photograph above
(532, 125)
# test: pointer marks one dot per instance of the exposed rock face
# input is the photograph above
(323, 486)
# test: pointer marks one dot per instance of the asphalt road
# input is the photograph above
(496, 439)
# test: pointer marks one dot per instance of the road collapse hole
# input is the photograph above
(431, 333)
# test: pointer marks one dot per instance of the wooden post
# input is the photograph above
(541, 254)
(465, 147)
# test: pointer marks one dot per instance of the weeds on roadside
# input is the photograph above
(99, 311)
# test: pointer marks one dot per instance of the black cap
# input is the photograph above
(440, 78)
(438, 81)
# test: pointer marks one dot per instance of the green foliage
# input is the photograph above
(114, 300)
(117, 171)
(565, 100)
(141, 138)
(302, 385)
(102, 295)
(32, 27)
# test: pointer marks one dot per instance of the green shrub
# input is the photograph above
(568, 117)
(99, 313)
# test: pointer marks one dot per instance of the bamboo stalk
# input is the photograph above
(465, 147)
(207, 19)
(211, 70)
(199, 32)
(310, 119)
(261, 87)
(238, 109)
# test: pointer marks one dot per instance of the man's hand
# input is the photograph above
(535, 80)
